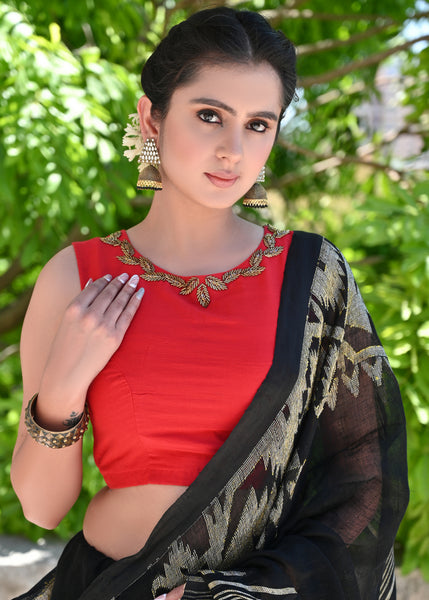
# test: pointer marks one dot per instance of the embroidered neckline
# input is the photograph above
(203, 283)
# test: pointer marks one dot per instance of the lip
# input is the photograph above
(221, 180)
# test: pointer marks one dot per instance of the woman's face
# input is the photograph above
(218, 133)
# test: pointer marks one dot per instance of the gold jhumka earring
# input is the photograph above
(149, 176)
(256, 197)
(148, 156)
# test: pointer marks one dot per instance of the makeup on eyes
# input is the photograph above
(209, 112)
(265, 114)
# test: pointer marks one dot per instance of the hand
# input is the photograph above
(175, 594)
(90, 331)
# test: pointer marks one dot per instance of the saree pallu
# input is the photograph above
(304, 499)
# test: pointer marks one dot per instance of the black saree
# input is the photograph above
(305, 497)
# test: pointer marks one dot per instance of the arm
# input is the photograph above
(67, 338)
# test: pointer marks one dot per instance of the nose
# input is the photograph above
(230, 146)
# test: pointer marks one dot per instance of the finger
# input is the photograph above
(175, 594)
(120, 302)
(129, 311)
(107, 294)
(93, 288)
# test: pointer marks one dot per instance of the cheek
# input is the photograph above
(182, 144)
(259, 150)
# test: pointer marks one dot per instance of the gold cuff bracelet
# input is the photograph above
(54, 439)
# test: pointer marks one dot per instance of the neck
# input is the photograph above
(194, 239)
(191, 226)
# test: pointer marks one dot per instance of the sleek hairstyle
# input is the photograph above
(216, 36)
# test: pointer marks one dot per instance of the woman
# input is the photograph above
(246, 420)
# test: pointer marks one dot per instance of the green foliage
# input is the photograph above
(387, 239)
(69, 77)
(61, 115)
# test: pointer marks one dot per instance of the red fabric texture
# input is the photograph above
(184, 374)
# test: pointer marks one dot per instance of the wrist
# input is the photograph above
(59, 403)
(54, 438)
(58, 412)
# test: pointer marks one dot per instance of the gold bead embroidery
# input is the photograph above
(187, 286)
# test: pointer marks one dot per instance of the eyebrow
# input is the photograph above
(266, 114)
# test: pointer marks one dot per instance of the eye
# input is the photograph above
(209, 116)
(258, 126)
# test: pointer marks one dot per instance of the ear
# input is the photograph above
(149, 126)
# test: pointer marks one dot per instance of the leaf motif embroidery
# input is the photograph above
(256, 258)
(174, 280)
(113, 239)
(278, 233)
(127, 249)
(153, 276)
(146, 265)
(252, 271)
(270, 252)
(188, 286)
(269, 240)
(215, 283)
(203, 295)
(231, 275)
(127, 260)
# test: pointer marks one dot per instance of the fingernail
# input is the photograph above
(140, 293)
(134, 281)
(123, 278)
(88, 282)
(108, 277)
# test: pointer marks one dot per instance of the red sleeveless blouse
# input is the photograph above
(189, 365)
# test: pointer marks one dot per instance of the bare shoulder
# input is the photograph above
(59, 278)
(57, 285)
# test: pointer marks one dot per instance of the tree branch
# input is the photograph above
(356, 65)
(295, 3)
(355, 88)
(325, 162)
(391, 136)
(9, 351)
(275, 16)
(12, 315)
(418, 15)
(323, 45)
(334, 94)
(8, 276)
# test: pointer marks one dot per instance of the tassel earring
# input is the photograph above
(256, 197)
(149, 161)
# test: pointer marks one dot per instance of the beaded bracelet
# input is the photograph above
(54, 439)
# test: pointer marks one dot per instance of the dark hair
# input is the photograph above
(216, 36)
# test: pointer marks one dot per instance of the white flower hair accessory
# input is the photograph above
(133, 138)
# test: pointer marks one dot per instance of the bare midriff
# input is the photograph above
(118, 522)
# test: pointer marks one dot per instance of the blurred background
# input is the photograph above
(351, 163)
